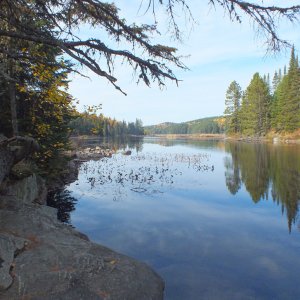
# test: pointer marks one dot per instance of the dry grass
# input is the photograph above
(289, 137)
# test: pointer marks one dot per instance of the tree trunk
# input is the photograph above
(12, 96)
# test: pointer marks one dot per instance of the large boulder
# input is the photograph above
(13, 150)
(41, 258)
(30, 189)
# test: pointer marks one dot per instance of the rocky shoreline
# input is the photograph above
(42, 258)
(93, 153)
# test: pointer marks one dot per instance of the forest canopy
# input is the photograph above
(267, 105)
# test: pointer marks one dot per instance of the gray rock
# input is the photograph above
(28, 190)
(24, 190)
(10, 247)
(7, 249)
(14, 150)
(42, 258)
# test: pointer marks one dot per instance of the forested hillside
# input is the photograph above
(265, 106)
(205, 125)
(88, 123)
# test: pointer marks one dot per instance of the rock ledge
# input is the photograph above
(41, 258)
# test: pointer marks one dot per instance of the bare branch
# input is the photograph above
(265, 18)
(55, 23)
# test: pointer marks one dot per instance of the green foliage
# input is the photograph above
(255, 114)
(88, 123)
(36, 73)
(276, 80)
(206, 125)
(278, 103)
(260, 111)
(291, 108)
(232, 108)
(44, 107)
(286, 103)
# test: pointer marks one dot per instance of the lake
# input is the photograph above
(217, 220)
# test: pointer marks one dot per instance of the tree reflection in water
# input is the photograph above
(64, 202)
(116, 143)
(266, 170)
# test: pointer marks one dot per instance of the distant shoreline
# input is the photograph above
(195, 136)
(273, 138)
(291, 138)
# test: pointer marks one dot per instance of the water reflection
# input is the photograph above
(117, 143)
(148, 173)
(203, 144)
(266, 171)
(170, 207)
(64, 202)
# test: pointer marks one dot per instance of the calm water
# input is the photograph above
(216, 220)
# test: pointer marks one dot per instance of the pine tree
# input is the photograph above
(291, 109)
(255, 111)
(277, 107)
(232, 103)
(276, 80)
(286, 107)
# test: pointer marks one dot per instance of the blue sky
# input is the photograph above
(218, 51)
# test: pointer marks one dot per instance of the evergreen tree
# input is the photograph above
(266, 79)
(276, 80)
(89, 123)
(43, 106)
(259, 111)
(291, 109)
(286, 107)
(255, 111)
(232, 103)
